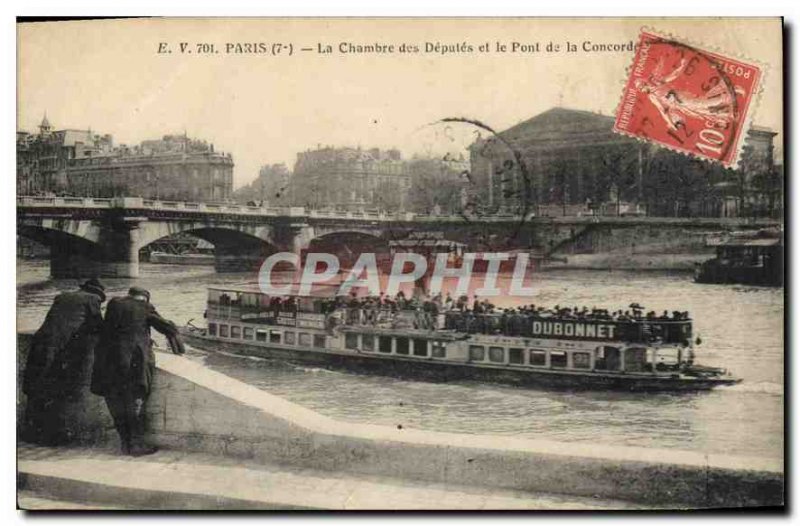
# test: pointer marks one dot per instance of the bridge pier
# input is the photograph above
(115, 255)
(121, 250)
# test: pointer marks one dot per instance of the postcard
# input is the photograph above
(400, 264)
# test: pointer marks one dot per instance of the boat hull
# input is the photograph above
(439, 371)
(181, 259)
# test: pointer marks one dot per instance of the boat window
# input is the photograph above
(213, 296)
(212, 329)
(497, 354)
(319, 341)
(248, 333)
(368, 342)
(438, 349)
(600, 361)
(635, 359)
(223, 331)
(236, 331)
(305, 339)
(274, 337)
(420, 347)
(580, 360)
(402, 345)
(476, 352)
(385, 344)
(667, 357)
(537, 358)
(607, 358)
(288, 338)
(515, 356)
(558, 359)
(351, 340)
(261, 336)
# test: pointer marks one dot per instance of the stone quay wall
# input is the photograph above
(196, 409)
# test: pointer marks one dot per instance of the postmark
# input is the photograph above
(689, 100)
(501, 190)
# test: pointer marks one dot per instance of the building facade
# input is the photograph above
(270, 188)
(438, 184)
(79, 162)
(350, 179)
(566, 160)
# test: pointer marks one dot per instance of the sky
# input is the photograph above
(263, 108)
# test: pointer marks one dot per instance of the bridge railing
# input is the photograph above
(138, 203)
(225, 208)
(153, 204)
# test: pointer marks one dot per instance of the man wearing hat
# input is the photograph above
(124, 364)
(58, 353)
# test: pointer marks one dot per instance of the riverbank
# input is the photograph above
(683, 262)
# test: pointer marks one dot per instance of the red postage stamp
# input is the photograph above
(687, 99)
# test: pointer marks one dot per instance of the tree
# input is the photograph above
(388, 196)
(767, 188)
(270, 187)
(620, 169)
(434, 186)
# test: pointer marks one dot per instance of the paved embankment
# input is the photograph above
(83, 478)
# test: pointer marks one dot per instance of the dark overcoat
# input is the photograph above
(62, 344)
(124, 358)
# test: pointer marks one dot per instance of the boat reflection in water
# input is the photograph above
(558, 348)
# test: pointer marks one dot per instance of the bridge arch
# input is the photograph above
(235, 250)
(152, 231)
(347, 245)
(71, 255)
(49, 235)
(51, 228)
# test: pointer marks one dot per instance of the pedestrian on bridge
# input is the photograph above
(125, 364)
(56, 359)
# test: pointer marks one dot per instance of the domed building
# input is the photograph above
(566, 162)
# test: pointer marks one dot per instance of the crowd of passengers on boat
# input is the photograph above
(438, 312)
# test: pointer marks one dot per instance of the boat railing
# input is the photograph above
(526, 325)
(516, 324)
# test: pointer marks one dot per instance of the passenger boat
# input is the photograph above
(748, 258)
(531, 350)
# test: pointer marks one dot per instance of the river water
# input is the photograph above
(741, 329)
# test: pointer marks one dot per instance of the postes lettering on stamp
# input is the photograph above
(687, 99)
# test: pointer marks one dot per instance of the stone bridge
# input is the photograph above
(102, 237)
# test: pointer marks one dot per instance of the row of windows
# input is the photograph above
(607, 358)
(477, 353)
(534, 357)
(401, 345)
(303, 339)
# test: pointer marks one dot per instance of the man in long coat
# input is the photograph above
(54, 368)
(124, 364)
